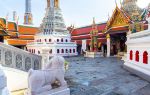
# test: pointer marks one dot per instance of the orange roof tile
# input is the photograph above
(13, 34)
(27, 30)
(17, 42)
(26, 37)
(3, 22)
(12, 26)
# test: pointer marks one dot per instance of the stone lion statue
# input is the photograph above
(40, 81)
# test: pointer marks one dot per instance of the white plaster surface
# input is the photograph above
(16, 79)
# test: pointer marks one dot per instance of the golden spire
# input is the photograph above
(48, 3)
(56, 3)
(116, 3)
(93, 21)
(94, 26)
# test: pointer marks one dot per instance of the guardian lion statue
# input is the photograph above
(40, 81)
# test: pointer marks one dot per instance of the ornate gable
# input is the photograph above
(118, 19)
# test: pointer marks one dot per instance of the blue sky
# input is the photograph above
(77, 12)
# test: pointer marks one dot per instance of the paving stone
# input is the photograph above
(103, 76)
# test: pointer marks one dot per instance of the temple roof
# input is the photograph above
(3, 22)
(27, 30)
(12, 26)
(2, 28)
(26, 37)
(87, 29)
(118, 20)
(18, 42)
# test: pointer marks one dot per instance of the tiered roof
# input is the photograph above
(118, 21)
(3, 27)
(12, 26)
(25, 35)
(17, 34)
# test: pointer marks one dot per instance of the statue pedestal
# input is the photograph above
(94, 54)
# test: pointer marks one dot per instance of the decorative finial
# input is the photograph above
(108, 16)
(17, 20)
(56, 3)
(116, 3)
(93, 20)
(48, 3)
(7, 16)
(121, 4)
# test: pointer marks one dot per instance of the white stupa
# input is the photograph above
(54, 39)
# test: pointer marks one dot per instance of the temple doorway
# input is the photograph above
(2, 39)
(79, 49)
(117, 43)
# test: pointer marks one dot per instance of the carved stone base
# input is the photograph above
(94, 54)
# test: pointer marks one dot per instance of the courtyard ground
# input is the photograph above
(103, 76)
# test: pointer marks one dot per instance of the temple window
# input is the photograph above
(66, 50)
(57, 40)
(137, 56)
(131, 55)
(62, 40)
(74, 50)
(62, 50)
(45, 40)
(50, 51)
(58, 51)
(50, 40)
(145, 57)
(66, 40)
(70, 51)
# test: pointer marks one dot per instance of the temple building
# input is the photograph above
(11, 33)
(54, 38)
(112, 34)
(16, 35)
(117, 26)
(82, 37)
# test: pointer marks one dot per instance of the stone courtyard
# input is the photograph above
(103, 76)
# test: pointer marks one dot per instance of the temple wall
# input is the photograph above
(19, 59)
(138, 54)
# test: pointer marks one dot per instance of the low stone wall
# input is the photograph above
(16, 58)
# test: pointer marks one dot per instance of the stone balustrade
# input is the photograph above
(19, 59)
